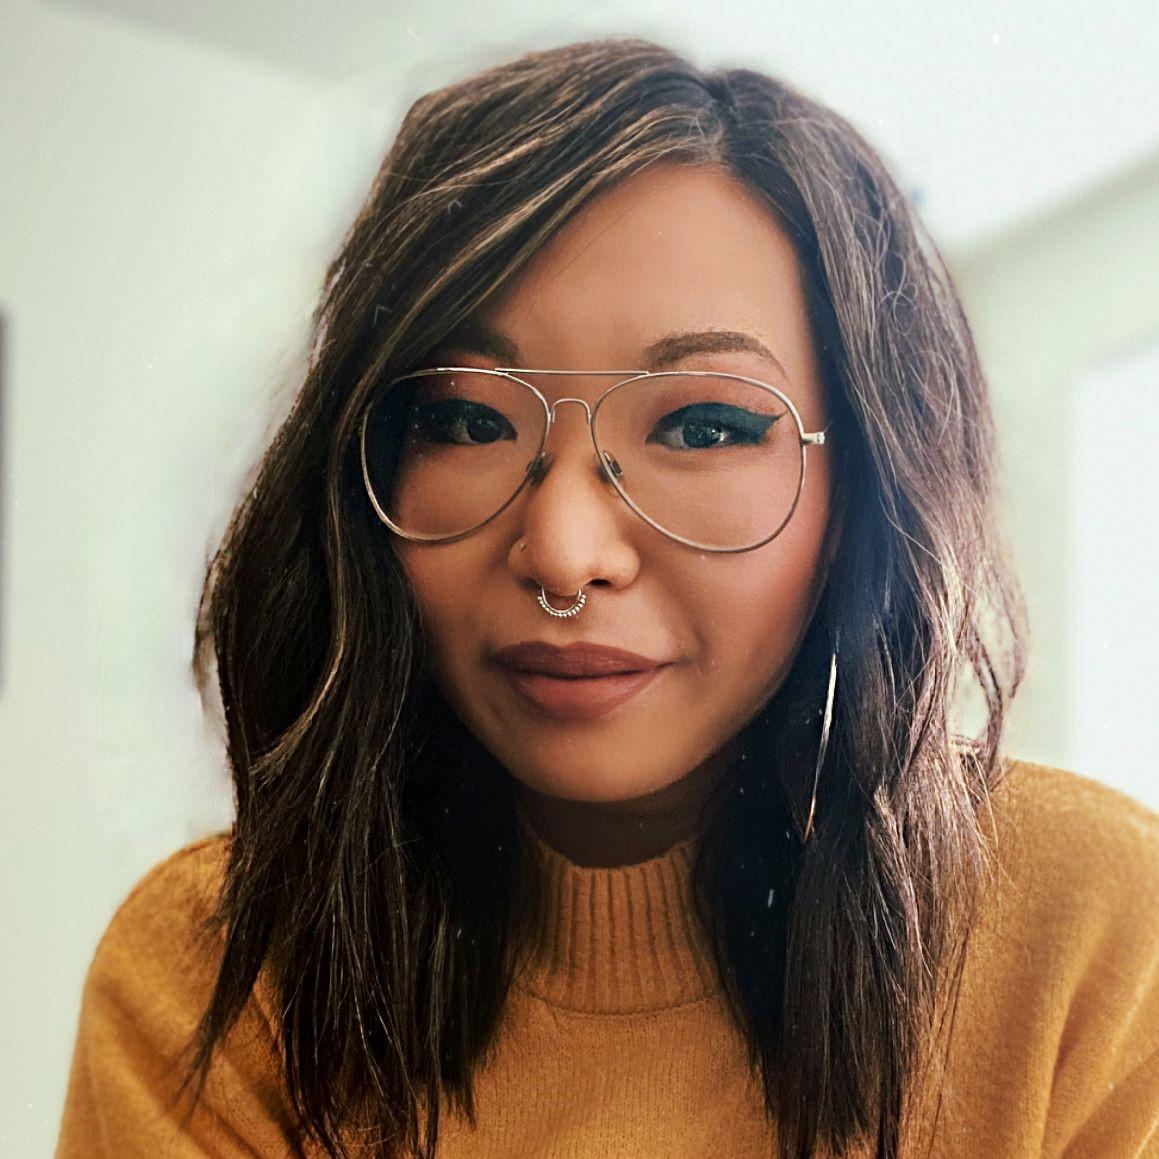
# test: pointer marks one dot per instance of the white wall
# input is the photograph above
(1114, 638)
(1055, 304)
(168, 213)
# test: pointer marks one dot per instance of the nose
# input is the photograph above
(577, 527)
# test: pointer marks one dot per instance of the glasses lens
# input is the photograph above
(445, 451)
(712, 459)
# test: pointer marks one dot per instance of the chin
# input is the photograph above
(591, 782)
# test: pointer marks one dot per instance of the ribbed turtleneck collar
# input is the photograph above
(616, 940)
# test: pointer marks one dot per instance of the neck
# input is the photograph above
(610, 833)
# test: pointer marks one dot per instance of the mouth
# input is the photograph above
(578, 697)
(582, 681)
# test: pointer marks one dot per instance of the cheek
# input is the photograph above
(443, 593)
(451, 583)
(756, 614)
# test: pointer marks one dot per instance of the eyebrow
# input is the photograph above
(673, 348)
(480, 338)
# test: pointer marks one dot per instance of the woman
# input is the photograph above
(588, 646)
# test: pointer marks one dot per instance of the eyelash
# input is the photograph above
(752, 427)
(460, 413)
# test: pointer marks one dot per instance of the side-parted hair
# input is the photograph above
(374, 871)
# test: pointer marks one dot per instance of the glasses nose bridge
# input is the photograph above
(560, 401)
(544, 463)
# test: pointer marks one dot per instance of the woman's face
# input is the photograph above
(674, 250)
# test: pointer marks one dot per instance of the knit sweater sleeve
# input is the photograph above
(1061, 1026)
(150, 978)
(1105, 1087)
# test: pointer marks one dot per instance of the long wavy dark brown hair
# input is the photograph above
(373, 871)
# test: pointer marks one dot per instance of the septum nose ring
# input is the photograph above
(563, 613)
(560, 613)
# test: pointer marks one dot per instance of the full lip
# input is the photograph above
(574, 661)
(580, 682)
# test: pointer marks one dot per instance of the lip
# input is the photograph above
(579, 682)
(577, 659)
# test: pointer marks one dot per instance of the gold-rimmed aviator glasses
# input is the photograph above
(712, 460)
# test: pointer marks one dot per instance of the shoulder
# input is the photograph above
(1069, 827)
(1068, 793)
(1060, 997)
(149, 985)
(171, 901)
(188, 874)
(1074, 867)
(157, 958)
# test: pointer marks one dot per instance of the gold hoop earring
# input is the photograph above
(825, 723)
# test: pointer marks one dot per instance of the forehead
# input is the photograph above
(674, 249)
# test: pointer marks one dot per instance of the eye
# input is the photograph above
(710, 424)
(460, 421)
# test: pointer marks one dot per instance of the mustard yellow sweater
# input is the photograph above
(618, 1043)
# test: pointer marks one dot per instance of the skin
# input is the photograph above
(672, 249)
